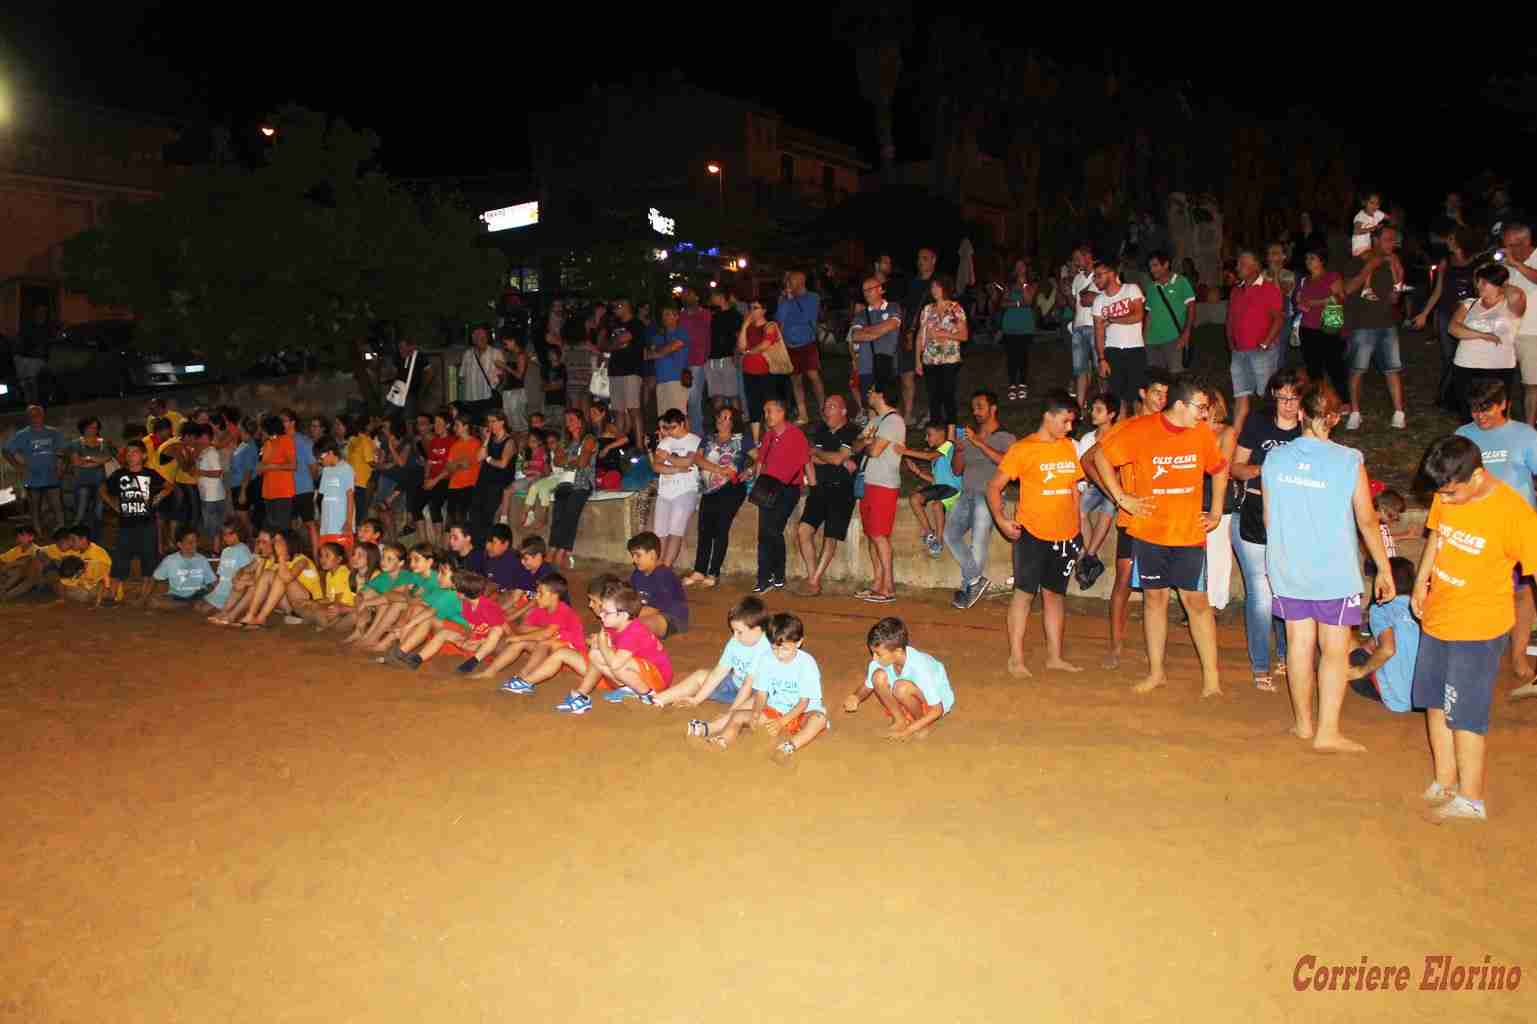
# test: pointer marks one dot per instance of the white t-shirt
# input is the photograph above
(1082, 445)
(1083, 316)
(210, 488)
(1363, 225)
(676, 485)
(1476, 353)
(1529, 320)
(1119, 304)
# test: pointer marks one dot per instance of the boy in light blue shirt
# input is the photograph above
(782, 694)
(1384, 669)
(912, 687)
(725, 680)
(186, 575)
(337, 499)
(935, 465)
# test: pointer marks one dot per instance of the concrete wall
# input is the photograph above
(608, 525)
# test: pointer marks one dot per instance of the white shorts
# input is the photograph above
(672, 395)
(1526, 358)
(672, 514)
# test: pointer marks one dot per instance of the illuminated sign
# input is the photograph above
(661, 225)
(520, 216)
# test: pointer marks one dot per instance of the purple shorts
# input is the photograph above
(1339, 611)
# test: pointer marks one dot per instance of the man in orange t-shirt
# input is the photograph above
(1169, 454)
(1044, 530)
(1464, 595)
(1154, 396)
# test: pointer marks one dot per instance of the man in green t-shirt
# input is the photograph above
(1170, 314)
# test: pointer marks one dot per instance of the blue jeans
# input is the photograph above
(1259, 621)
(88, 506)
(1083, 353)
(1252, 370)
(1377, 345)
(970, 512)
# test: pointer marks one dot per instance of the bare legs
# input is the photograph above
(1203, 630)
(1053, 615)
(817, 558)
(1120, 612)
(1304, 640)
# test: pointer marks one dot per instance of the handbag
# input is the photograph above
(400, 391)
(778, 356)
(598, 387)
(1333, 317)
(765, 490)
(1251, 518)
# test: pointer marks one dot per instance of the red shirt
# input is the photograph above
(783, 455)
(437, 453)
(756, 335)
(482, 615)
(1249, 309)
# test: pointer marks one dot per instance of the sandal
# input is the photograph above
(698, 727)
(1265, 683)
(693, 579)
(866, 595)
(708, 582)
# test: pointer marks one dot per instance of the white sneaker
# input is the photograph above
(1398, 420)
(1436, 793)
(1354, 422)
(1458, 808)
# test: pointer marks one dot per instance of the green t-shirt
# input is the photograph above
(445, 603)
(1160, 328)
(383, 583)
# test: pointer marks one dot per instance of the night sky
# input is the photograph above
(447, 93)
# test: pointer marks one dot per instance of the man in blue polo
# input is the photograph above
(876, 331)
(36, 451)
(797, 318)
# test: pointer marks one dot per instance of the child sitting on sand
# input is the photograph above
(782, 694)
(475, 626)
(666, 604)
(625, 654)
(912, 687)
(551, 624)
(722, 682)
(1384, 668)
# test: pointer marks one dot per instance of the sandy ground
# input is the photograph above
(204, 825)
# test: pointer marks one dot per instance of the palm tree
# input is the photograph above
(877, 32)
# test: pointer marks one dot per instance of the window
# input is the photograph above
(787, 168)
(829, 180)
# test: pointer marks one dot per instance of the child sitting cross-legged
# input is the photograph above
(782, 694)
(913, 687)
(182, 579)
(552, 624)
(725, 679)
(623, 653)
(343, 577)
(396, 592)
(477, 629)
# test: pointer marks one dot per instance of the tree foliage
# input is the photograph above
(306, 252)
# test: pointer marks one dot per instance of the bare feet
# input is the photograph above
(1300, 732)
(1524, 692)
(1058, 665)
(1337, 745)
(1212, 690)
(1148, 685)
(1018, 670)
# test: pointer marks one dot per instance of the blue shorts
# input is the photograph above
(1253, 369)
(725, 692)
(1160, 567)
(213, 517)
(1094, 500)
(1083, 351)
(1457, 677)
(1374, 345)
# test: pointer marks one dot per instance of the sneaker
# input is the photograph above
(467, 666)
(519, 685)
(1089, 570)
(978, 588)
(1398, 421)
(698, 727)
(934, 546)
(1436, 793)
(620, 695)
(786, 749)
(1353, 422)
(648, 698)
(293, 620)
(763, 588)
(776, 584)
(1459, 808)
(575, 704)
(958, 602)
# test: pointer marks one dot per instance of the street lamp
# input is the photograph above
(268, 131)
(720, 178)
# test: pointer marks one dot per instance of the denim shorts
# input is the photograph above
(213, 517)
(1083, 351)
(1094, 500)
(1377, 345)
(1253, 369)
(1458, 677)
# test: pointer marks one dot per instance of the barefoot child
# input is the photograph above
(337, 596)
(1479, 529)
(913, 687)
(626, 653)
(722, 683)
(243, 586)
(373, 595)
(666, 605)
(552, 624)
(782, 694)
(234, 556)
(182, 579)
(15, 563)
(290, 581)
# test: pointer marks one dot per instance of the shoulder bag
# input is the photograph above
(400, 391)
(778, 356)
(766, 489)
(1185, 355)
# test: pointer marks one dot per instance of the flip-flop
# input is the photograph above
(698, 727)
(865, 595)
(882, 599)
(1265, 683)
(253, 625)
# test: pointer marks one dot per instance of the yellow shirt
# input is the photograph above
(18, 552)
(339, 587)
(53, 551)
(176, 418)
(308, 576)
(98, 566)
(171, 472)
(360, 455)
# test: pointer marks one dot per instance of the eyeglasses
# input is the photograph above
(1288, 398)
(606, 612)
(1203, 407)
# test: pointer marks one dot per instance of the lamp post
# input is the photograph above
(720, 179)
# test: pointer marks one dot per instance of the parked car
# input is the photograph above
(102, 357)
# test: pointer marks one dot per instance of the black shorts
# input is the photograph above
(1044, 563)
(304, 506)
(277, 513)
(937, 492)
(1158, 567)
(1124, 551)
(135, 540)
(244, 498)
(1128, 372)
(831, 508)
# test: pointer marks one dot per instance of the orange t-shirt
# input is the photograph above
(1048, 499)
(1168, 464)
(279, 483)
(1470, 585)
(1127, 473)
(467, 448)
